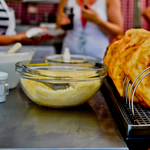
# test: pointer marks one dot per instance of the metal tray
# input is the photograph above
(134, 128)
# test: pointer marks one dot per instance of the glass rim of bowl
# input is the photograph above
(85, 58)
(40, 70)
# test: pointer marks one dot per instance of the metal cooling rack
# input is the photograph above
(132, 119)
(141, 114)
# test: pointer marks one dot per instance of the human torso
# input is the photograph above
(96, 40)
(4, 19)
(86, 2)
(7, 19)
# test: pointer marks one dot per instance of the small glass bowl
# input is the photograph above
(60, 85)
(74, 59)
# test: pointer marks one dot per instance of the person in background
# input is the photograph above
(94, 21)
(7, 29)
(146, 13)
(133, 12)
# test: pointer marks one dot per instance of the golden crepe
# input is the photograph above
(129, 36)
(117, 73)
(117, 53)
(129, 56)
(120, 41)
(118, 37)
(111, 49)
(135, 64)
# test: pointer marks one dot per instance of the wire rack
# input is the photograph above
(132, 119)
(140, 114)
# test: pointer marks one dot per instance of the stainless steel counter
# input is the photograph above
(23, 124)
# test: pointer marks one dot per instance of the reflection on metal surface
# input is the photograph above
(27, 125)
(69, 121)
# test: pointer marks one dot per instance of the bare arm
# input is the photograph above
(114, 25)
(7, 40)
(21, 37)
(146, 13)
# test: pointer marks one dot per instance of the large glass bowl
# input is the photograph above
(59, 85)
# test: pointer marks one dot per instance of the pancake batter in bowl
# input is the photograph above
(77, 93)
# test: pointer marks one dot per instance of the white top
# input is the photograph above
(3, 75)
(95, 40)
(4, 18)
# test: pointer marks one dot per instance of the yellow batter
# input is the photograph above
(76, 94)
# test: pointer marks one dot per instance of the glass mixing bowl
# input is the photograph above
(60, 85)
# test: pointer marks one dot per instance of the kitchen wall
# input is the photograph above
(34, 13)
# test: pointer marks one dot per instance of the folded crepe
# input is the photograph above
(117, 73)
(134, 65)
(131, 33)
(118, 52)
(111, 49)
(129, 36)
(120, 41)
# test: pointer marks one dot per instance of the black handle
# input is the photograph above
(85, 6)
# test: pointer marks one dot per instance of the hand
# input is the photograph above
(42, 38)
(63, 19)
(21, 37)
(89, 14)
(146, 13)
(35, 39)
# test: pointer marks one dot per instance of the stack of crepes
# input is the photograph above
(128, 56)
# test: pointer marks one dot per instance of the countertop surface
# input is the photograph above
(24, 124)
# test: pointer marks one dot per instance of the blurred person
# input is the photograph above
(7, 28)
(144, 6)
(94, 21)
(146, 13)
(135, 14)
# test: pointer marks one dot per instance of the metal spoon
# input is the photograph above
(54, 86)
